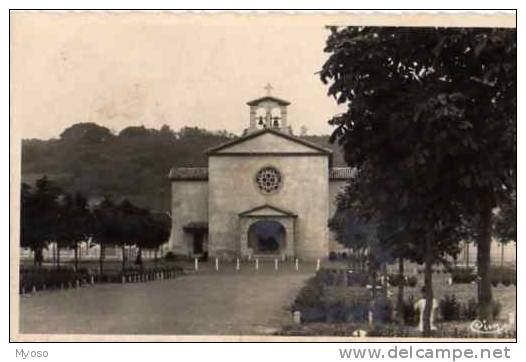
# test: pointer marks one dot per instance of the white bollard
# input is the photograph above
(317, 264)
(123, 279)
(297, 264)
(283, 257)
(77, 283)
(217, 264)
(237, 264)
(296, 316)
(257, 264)
(276, 264)
(92, 280)
(196, 264)
(370, 318)
(449, 281)
(34, 290)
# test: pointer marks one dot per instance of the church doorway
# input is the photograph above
(266, 237)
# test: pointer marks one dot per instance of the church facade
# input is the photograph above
(267, 193)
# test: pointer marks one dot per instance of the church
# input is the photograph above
(265, 194)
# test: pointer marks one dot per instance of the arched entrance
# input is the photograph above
(267, 237)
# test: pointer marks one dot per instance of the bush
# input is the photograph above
(170, 256)
(463, 275)
(51, 278)
(450, 308)
(409, 313)
(470, 310)
(356, 279)
(382, 310)
(394, 280)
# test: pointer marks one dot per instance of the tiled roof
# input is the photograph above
(201, 173)
(341, 173)
(189, 173)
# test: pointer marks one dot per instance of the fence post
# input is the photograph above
(257, 264)
(276, 264)
(297, 264)
(237, 264)
(196, 264)
(217, 264)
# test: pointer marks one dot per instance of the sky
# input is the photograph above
(151, 69)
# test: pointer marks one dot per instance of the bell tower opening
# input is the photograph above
(268, 112)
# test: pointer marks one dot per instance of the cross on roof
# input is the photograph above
(268, 88)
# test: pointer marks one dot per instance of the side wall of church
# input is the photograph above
(189, 204)
(335, 187)
(304, 191)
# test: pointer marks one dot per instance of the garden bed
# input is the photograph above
(39, 279)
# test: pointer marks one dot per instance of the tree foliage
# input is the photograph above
(431, 123)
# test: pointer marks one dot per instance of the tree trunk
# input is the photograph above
(38, 256)
(139, 257)
(428, 287)
(467, 254)
(76, 248)
(123, 248)
(101, 258)
(400, 299)
(501, 255)
(484, 265)
(58, 256)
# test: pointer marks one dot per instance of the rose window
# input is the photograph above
(268, 179)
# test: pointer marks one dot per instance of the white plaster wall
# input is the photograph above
(189, 204)
(304, 191)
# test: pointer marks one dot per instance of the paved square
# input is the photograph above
(227, 302)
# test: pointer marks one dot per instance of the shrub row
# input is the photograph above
(499, 275)
(395, 279)
(53, 279)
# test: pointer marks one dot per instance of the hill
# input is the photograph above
(132, 164)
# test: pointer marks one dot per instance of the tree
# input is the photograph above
(155, 233)
(86, 133)
(505, 224)
(39, 216)
(75, 223)
(133, 223)
(425, 109)
(106, 228)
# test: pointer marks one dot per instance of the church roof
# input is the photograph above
(281, 102)
(189, 173)
(341, 173)
(255, 134)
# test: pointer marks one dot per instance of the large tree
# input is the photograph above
(431, 117)
(39, 216)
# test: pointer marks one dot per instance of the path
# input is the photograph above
(227, 302)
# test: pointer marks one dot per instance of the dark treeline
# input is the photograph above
(48, 214)
(132, 164)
